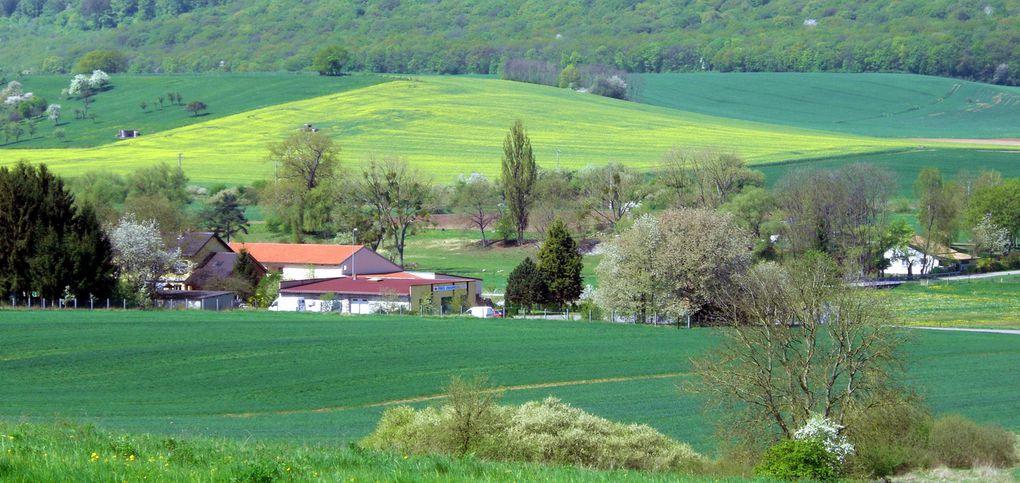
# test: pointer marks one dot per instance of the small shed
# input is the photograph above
(128, 133)
(194, 299)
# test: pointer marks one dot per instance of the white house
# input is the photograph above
(296, 261)
(911, 260)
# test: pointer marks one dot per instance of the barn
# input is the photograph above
(304, 261)
(414, 292)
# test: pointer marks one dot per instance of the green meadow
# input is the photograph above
(32, 453)
(906, 165)
(120, 107)
(882, 105)
(312, 377)
(444, 126)
(987, 302)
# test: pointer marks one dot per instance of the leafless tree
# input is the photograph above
(800, 341)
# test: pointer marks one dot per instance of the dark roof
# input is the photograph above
(188, 294)
(192, 242)
(218, 266)
(366, 285)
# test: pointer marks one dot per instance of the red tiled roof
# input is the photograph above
(366, 285)
(297, 253)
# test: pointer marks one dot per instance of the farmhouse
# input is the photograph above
(208, 261)
(128, 133)
(416, 292)
(297, 261)
(910, 262)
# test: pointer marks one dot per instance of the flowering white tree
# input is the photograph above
(827, 431)
(990, 237)
(99, 79)
(53, 113)
(141, 256)
(82, 83)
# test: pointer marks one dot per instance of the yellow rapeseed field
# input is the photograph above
(445, 126)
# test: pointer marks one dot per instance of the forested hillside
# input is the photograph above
(959, 38)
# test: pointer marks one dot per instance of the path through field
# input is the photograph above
(958, 329)
(435, 397)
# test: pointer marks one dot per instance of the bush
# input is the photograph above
(105, 60)
(798, 459)
(549, 431)
(890, 438)
(958, 442)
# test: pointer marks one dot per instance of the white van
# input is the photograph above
(482, 312)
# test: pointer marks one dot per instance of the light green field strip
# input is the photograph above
(445, 126)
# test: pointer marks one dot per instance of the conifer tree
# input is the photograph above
(49, 245)
(525, 287)
(560, 265)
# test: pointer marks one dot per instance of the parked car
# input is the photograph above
(482, 312)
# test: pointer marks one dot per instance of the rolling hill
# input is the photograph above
(445, 126)
(884, 105)
(120, 107)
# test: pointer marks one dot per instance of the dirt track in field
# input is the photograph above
(990, 142)
(433, 397)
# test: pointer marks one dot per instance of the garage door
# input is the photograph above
(360, 306)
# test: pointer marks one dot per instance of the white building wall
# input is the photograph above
(899, 266)
(357, 304)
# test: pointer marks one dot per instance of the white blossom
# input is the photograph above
(822, 429)
(140, 255)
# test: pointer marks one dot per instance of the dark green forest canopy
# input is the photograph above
(974, 40)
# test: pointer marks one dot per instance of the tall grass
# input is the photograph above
(72, 452)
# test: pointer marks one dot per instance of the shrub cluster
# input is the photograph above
(549, 431)
(903, 436)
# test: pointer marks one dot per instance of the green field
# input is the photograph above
(445, 126)
(907, 165)
(309, 377)
(883, 105)
(988, 302)
(118, 108)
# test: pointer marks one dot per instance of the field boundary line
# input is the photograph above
(434, 397)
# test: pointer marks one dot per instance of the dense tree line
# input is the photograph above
(51, 247)
(967, 40)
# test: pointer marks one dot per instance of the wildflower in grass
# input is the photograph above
(94, 456)
(131, 457)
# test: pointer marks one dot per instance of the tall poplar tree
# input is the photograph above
(519, 175)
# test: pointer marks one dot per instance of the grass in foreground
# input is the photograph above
(884, 105)
(62, 451)
(985, 303)
(445, 126)
(308, 377)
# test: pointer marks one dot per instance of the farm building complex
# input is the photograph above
(416, 292)
(296, 261)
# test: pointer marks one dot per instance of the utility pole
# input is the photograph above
(557, 159)
(180, 161)
(354, 273)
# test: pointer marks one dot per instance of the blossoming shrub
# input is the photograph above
(796, 459)
(549, 431)
(828, 432)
